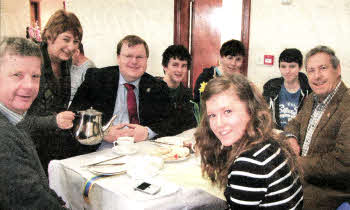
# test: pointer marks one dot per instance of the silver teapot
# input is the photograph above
(88, 129)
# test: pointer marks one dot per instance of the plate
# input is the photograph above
(123, 151)
(172, 140)
(177, 160)
(107, 169)
(172, 153)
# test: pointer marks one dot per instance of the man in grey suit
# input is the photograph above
(23, 181)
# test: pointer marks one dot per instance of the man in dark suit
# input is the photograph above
(107, 90)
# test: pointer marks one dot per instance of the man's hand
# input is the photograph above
(116, 131)
(65, 119)
(140, 133)
(293, 143)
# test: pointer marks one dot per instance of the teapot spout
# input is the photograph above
(105, 127)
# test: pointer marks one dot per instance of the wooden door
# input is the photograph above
(35, 19)
(194, 29)
(206, 38)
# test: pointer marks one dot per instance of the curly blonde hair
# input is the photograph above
(216, 162)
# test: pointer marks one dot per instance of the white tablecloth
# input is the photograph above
(182, 185)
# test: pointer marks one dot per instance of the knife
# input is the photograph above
(97, 163)
(108, 164)
(158, 142)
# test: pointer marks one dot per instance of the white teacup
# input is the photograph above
(125, 144)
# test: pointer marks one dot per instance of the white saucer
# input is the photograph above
(107, 169)
(121, 151)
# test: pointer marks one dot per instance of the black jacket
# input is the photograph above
(181, 114)
(205, 76)
(271, 92)
(99, 90)
(40, 121)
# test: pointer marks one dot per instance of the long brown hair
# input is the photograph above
(216, 162)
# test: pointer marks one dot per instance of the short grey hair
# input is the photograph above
(19, 46)
(323, 49)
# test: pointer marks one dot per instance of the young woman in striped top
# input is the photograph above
(239, 150)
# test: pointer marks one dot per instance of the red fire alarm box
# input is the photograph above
(268, 60)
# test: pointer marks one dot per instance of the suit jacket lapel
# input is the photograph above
(112, 80)
(308, 105)
(331, 108)
(144, 88)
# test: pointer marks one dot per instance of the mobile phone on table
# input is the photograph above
(148, 188)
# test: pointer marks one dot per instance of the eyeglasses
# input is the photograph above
(322, 68)
(131, 57)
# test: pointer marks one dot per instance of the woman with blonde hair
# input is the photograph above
(239, 150)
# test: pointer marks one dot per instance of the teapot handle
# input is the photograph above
(77, 123)
(76, 118)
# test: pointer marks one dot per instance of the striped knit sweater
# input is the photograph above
(261, 179)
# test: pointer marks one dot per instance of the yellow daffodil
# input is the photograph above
(201, 89)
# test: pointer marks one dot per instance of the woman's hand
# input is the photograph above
(65, 119)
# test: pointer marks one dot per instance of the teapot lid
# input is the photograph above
(91, 112)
